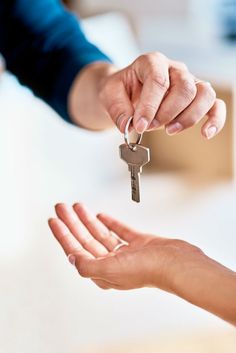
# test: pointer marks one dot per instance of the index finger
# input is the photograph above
(67, 241)
(96, 228)
(153, 71)
(120, 229)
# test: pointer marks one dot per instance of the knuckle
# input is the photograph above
(152, 57)
(191, 121)
(160, 80)
(188, 89)
(220, 102)
(165, 115)
(209, 92)
(143, 57)
(182, 66)
(179, 243)
(158, 56)
(149, 109)
(150, 61)
(87, 241)
(89, 223)
(179, 65)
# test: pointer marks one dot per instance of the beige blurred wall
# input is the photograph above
(139, 6)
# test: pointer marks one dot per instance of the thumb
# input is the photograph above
(94, 268)
(117, 103)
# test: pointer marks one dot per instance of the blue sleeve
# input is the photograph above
(45, 47)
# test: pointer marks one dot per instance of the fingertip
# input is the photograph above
(210, 132)
(50, 221)
(80, 208)
(53, 224)
(103, 218)
(59, 205)
(77, 205)
(101, 215)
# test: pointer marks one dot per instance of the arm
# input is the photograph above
(45, 47)
(209, 285)
(133, 260)
(156, 91)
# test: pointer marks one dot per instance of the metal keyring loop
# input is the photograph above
(126, 136)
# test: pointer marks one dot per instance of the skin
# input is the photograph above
(144, 260)
(156, 91)
(2, 65)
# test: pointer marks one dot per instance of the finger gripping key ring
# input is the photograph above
(126, 136)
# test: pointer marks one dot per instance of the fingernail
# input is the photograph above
(211, 131)
(174, 128)
(142, 125)
(120, 121)
(71, 259)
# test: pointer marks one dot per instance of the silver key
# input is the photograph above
(136, 156)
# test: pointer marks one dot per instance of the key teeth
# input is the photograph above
(138, 159)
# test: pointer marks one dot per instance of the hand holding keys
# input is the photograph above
(136, 156)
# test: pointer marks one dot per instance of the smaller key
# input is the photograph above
(136, 156)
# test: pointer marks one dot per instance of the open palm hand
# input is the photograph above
(112, 254)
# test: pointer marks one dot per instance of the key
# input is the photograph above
(136, 156)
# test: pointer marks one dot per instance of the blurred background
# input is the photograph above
(188, 191)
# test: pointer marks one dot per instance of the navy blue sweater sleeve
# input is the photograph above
(44, 46)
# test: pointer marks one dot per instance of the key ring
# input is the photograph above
(126, 136)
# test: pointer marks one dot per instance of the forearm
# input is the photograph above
(209, 285)
(85, 107)
(45, 47)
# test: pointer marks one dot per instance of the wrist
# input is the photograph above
(207, 284)
(83, 102)
(169, 263)
(179, 259)
(187, 279)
